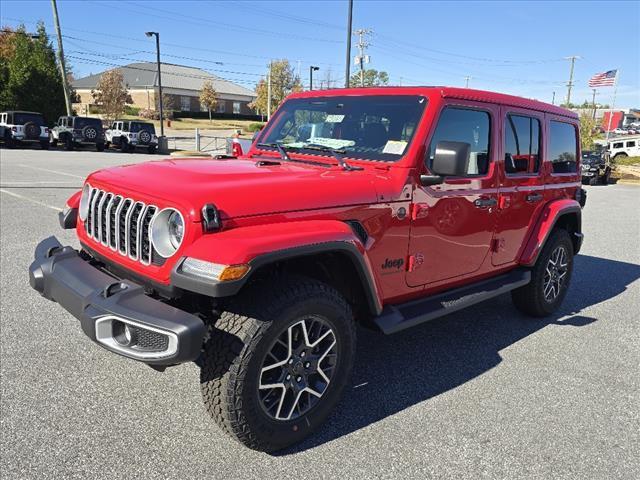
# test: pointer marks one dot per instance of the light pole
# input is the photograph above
(150, 34)
(311, 70)
(347, 71)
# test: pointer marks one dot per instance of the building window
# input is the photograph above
(236, 108)
(563, 145)
(185, 104)
(220, 108)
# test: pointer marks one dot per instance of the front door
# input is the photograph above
(521, 189)
(452, 223)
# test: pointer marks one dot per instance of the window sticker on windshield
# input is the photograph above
(394, 147)
(333, 118)
(331, 142)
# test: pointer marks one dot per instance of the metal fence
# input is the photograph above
(198, 143)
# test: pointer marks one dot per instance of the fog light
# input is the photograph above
(213, 271)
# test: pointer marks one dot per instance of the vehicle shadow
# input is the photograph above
(395, 372)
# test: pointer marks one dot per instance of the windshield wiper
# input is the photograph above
(285, 156)
(278, 146)
(337, 154)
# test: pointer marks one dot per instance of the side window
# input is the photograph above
(563, 147)
(457, 124)
(114, 126)
(521, 144)
(631, 144)
(124, 126)
(617, 145)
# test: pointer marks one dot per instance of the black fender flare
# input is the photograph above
(230, 288)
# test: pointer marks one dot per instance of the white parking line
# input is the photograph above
(22, 197)
(51, 171)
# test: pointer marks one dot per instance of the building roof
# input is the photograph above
(144, 75)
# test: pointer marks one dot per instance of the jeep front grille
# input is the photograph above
(121, 224)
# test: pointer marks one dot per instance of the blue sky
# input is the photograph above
(513, 47)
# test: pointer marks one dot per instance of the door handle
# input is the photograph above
(485, 202)
(534, 197)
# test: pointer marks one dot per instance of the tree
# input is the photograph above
(29, 74)
(588, 132)
(111, 94)
(283, 82)
(209, 97)
(372, 78)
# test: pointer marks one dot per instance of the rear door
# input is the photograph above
(452, 223)
(521, 188)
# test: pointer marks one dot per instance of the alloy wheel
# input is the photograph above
(298, 369)
(555, 274)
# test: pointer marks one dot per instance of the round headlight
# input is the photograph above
(84, 202)
(167, 232)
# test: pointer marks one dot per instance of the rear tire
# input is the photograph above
(151, 149)
(44, 145)
(124, 145)
(604, 180)
(550, 277)
(259, 398)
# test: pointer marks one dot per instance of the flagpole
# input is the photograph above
(613, 104)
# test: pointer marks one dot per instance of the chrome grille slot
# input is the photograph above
(121, 224)
(145, 252)
(134, 228)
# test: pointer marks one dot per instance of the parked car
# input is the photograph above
(620, 131)
(73, 132)
(403, 206)
(595, 168)
(19, 128)
(624, 147)
(127, 135)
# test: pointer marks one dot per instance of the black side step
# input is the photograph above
(398, 317)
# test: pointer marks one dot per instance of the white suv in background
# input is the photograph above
(17, 127)
(624, 147)
(131, 134)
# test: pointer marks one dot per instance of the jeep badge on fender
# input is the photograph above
(178, 262)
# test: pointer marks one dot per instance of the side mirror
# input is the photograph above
(451, 159)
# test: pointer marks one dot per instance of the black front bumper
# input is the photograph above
(98, 300)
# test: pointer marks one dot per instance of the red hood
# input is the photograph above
(238, 187)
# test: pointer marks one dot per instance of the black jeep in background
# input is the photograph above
(595, 168)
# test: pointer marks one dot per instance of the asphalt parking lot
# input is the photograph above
(482, 393)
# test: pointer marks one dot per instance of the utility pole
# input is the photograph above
(311, 70)
(157, 35)
(593, 102)
(63, 69)
(269, 92)
(553, 99)
(347, 71)
(570, 82)
(466, 81)
(361, 59)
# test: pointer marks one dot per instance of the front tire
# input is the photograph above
(550, 277)
(277, 362)
(68, 143)
(151, 149)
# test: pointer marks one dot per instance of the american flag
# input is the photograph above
(604, 79)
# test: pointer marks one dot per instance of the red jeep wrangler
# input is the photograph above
(386, 206)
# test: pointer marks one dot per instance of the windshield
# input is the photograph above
(22, 118)
(81, 122)
(137, 127)
(372, 127)
(591, 157)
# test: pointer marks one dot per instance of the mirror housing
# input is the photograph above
(451, 159)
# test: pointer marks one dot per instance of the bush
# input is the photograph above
(254, 127)
(131, 110)
(148, 114)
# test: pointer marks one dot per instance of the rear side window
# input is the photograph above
(563, 147)
(521, 145)
(464, 125)
(631, 144)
